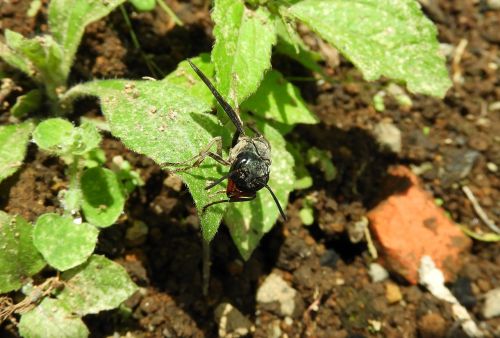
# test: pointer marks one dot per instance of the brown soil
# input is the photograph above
(319, 261)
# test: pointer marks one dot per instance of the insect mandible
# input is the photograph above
(249, 158)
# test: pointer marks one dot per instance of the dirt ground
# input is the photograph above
(456, 139)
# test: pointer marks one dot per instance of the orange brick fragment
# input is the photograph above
(408, 224)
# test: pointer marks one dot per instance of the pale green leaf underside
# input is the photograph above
(67, 21)
(99, 284)
(279, 100)
(63, 243)
(103, 198)
(249, 221)
(19, 258)
(242, 51)
(163, 121)
(51, 134)
(13, 144)
(389, 38)
(51, 319)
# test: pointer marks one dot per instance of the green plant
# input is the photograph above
(63, 242)
(168, 121)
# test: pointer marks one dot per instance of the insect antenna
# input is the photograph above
(227, 108)
(277, 202)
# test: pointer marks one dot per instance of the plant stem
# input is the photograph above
(206, 267)
(153, 68)
(170, 12)
(72, 197)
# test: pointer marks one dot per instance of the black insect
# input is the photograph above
(249, 158)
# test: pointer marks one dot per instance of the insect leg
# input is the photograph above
(229, 200)
(198, 159)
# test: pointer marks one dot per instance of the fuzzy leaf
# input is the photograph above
(13, 144)
(12, 56)
(184, 76)
(242, 51)
(165, 122)
(84, 139)
(51, 134)
(97, 285)
(103, 198)
(19, 258)
(279, 100)
(291, 44)
(67, 21)
(42, 59)
(27, 104)
(249, 221)
(391, 38)
(51, 319)
(63, 243)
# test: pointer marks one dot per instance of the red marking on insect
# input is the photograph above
(233, 191)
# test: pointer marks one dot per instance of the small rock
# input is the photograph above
(388, 136)
(479, 142)
(276, 290)
(409, 225)
(492, 167)
(493, 4)
(232, 323)
(432, 325)
(492, 304)
(462, 290)
(137, 233)
(392, 293)
(377, 272)
(356, 230)
(458, 164)
(329, 258)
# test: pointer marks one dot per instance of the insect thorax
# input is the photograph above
(250, 161)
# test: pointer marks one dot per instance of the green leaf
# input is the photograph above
(27, 104)
(322, 159)
(185, 77)
(63, 243)
(67, 21)
(249, 221)
(382, 38)
(242, 51)
(279, 100)
(483, 237)
(52, 134)
(303, 179)
(165, 122)
(84, 139)
(144, 5)
(19, 258)
(290, 44)
(51, 319)
(12, 56)
(42, 60)
(13, 144)
(307, 215)
(103, 198)
(97, 285)
(59, 136)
